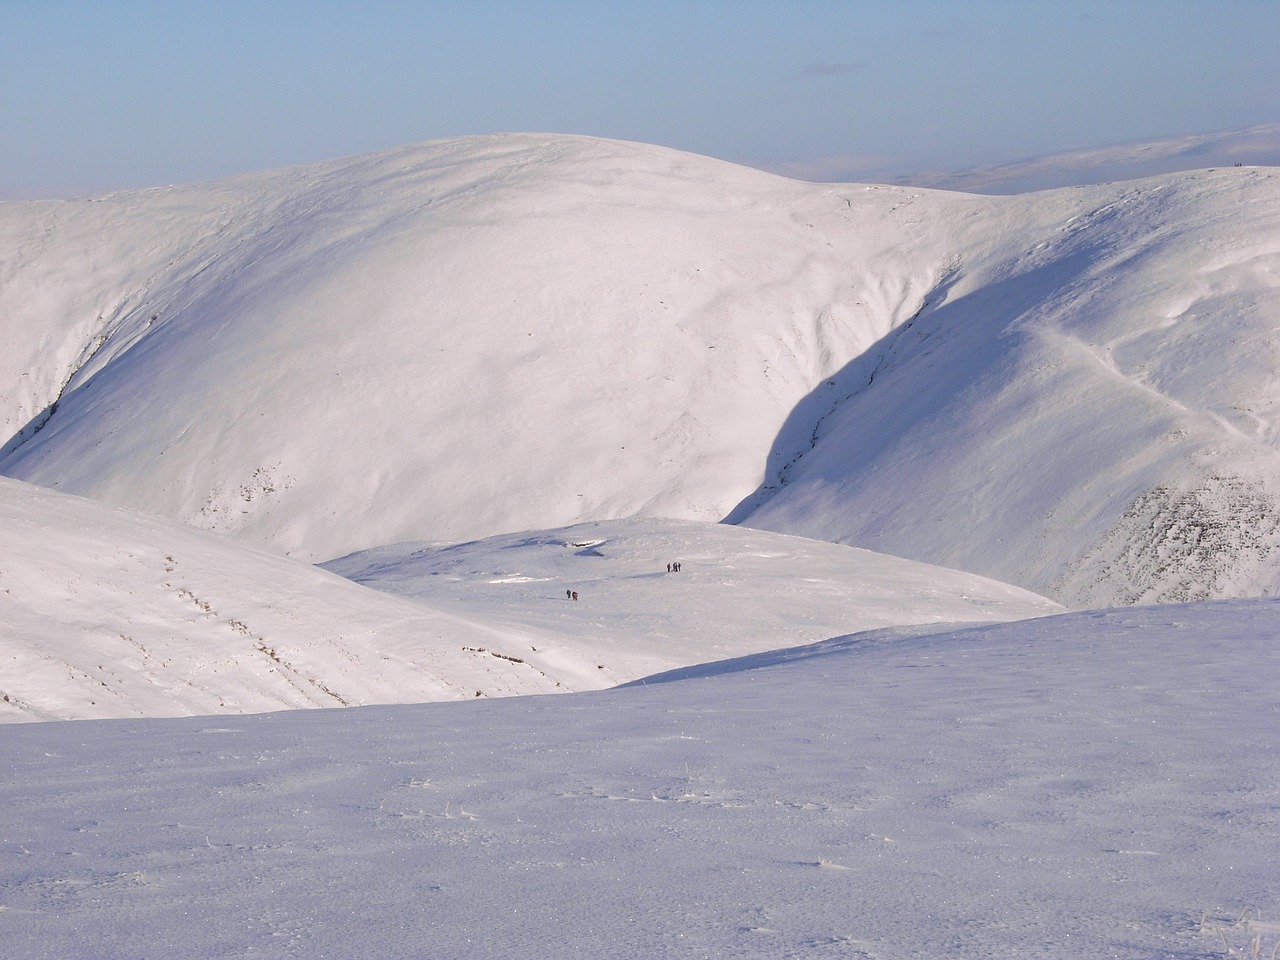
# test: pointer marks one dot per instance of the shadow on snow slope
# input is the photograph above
(1038, 425)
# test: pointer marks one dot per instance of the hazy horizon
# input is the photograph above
(134, 94)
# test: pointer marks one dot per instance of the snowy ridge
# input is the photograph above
(1094, 420)
(1250, 147)
(106, 613)
(635, 331)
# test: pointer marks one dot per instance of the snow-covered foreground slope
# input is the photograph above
(1086, 786)
(105, 613)
(1074, 390)
(736, 588)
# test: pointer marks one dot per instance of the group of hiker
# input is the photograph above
(671, 568)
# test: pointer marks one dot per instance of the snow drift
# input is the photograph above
(1073, 391)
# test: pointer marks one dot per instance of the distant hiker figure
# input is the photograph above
(574, 594)
(676, 566)
(568, 594)
(668, 568)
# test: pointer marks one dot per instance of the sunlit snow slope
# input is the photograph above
(106, 613)
(440, 342)
(1071, 390)
(735, 587)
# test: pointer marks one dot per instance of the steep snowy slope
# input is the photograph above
(441, 342)
(105, 613)
(1073, 391)
(1096, 420)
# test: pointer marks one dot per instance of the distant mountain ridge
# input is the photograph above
(1249, 147)
(1073, 391)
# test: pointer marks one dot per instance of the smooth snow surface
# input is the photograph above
(105, 613)
(1099, 785)
(1074, 391)
(736, 589)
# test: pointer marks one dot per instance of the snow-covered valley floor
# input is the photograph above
(1086, 785)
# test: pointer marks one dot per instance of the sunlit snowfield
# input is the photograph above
(110, 614)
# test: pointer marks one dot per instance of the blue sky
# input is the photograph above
(105, 95)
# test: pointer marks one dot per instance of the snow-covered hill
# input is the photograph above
(735, 587)
(1073, 391)
(1257, 146)
(442, 342)
(579, 339)
(1096, 419)
(1091, 786)
(107, 613)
